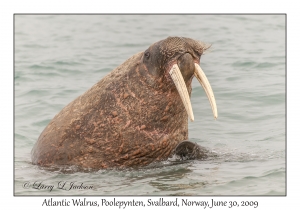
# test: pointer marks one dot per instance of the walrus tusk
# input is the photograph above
(207, 88)
(182, 90)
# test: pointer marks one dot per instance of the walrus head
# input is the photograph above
(177, 60)
(134, 116)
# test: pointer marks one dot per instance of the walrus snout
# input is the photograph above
(186, 66)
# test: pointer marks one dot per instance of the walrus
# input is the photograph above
(134, 116)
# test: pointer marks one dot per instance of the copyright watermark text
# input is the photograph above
(62, 185)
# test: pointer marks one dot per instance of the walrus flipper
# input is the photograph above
(187, 150)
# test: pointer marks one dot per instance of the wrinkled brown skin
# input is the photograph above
(132, 117)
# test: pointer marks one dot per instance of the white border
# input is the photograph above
(8, 8)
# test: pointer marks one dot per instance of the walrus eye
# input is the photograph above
(147, 55)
